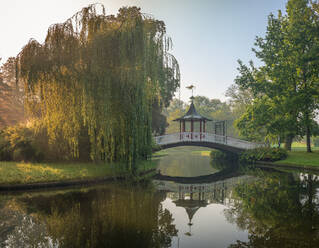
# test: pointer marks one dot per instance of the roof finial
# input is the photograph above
(191, 87)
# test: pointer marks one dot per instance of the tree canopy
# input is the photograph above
(96, 78)
(285, 87)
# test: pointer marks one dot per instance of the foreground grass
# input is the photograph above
(301, 158)
(22, 173)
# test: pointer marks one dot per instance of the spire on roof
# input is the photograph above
(192, 114)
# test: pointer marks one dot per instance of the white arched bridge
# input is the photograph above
(216, 139)
(204, 139)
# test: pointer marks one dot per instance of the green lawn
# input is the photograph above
(302, 146)
(21, 173)
(300, 157)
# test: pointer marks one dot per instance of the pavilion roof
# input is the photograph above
(191, 206)
(192, 114)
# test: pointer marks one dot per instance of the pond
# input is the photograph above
(251, 208)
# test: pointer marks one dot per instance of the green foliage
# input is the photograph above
(16, 143)
(174, 111)
(95, 80)
(5, 151)
(253, 123)
(23, 152)
(217, 111)
(271, 210)
(316, 142)
(284, 89)
(223, 160)
(263, 154)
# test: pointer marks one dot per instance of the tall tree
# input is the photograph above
(288, 79)
(302, 27)
(100, 74)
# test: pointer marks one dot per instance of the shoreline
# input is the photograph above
(289, 166)
(68, 183)
(99, 180)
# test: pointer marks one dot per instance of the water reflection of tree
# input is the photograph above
(107, 217)
(279, 210)
(120, 217)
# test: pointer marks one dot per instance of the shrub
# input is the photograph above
(16, 143)
(5, 149)
(316, 142)
(263, 154)
(24, 151)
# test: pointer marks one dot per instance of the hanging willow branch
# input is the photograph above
(99, 75)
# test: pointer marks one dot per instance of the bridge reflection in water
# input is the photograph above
(193, 196)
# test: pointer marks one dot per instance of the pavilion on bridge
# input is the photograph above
(192, 117)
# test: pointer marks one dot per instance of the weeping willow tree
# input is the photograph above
(97, 76)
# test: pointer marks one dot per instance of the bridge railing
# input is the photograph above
(242, 143)
(204, 137)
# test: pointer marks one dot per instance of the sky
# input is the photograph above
(209, 36)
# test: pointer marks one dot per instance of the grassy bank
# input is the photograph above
(302, 146)
(299, 157)
(23, 173)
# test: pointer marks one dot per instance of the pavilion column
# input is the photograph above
(225, 128)
(204, 126)
(180, 130)
(192, 128)
(226, 132)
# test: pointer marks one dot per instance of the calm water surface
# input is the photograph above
(254, 208)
